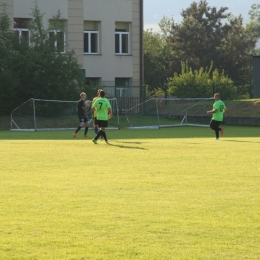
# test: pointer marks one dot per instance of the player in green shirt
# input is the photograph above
(104, 112)
(217, 112)
(95, 112)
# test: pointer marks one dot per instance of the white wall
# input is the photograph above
(23, 8)
(107, 65)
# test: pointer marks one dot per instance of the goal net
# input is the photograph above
(169, 112)
(41, 114)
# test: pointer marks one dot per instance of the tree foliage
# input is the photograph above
(255, 18)
(158, 60)
(200, 83)
(208, 35)
(197, 37)
(35, 71)
(254, 24)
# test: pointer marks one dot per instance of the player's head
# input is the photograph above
(102, 93)
(83, 95)
(98, 92)
(217, 96)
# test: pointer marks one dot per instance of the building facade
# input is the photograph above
(106, 35)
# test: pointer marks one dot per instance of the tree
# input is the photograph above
(158, 62)
(202, 37)
(235, 52)
(200, 83)
(200, 33)
(255, 18)
(165, 25)
(254, 24)
(38, 70)
(9, 81)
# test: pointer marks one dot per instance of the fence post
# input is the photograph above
(165, 93)
(144, 98)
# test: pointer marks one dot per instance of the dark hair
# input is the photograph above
(102, 93)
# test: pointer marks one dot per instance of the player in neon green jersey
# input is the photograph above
(217, 112)
(95, 112)
(104, 112)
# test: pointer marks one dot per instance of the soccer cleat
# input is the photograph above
(75, 135)
(222, 131)
(217, 138)
(107, 142)
(94, 141)
(86, 136)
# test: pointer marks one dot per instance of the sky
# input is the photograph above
(154, 10)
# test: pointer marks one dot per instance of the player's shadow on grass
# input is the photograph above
(238, 141)
(128, 147)
(131, 142)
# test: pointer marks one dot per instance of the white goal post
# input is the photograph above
(43, 114)
(157, 113)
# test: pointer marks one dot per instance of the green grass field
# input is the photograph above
(173, 193)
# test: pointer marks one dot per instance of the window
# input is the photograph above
(122, 87)
(57, 35)
(91, 37)
(21, 29)
(122, 38)
(57, 40)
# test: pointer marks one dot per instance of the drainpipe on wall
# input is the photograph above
(141, 44)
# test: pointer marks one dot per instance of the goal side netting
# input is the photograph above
(157, 113)
(42, 114)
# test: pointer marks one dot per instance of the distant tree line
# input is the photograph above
(210, 50)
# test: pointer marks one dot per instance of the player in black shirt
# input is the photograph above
(82, 107)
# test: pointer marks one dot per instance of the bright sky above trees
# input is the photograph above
(154, 10)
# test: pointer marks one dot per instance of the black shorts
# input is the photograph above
(82, 119)
(102, 123)
(214, 124)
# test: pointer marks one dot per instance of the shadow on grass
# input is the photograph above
(241, 141)
(128, 147)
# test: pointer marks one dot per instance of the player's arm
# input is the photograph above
(110, 113)
(86, 105)
(93, 102)
(213, 111)
(93, 105)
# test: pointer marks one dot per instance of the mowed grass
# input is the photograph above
(173, 193)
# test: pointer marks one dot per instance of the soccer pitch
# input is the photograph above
(173, 193)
